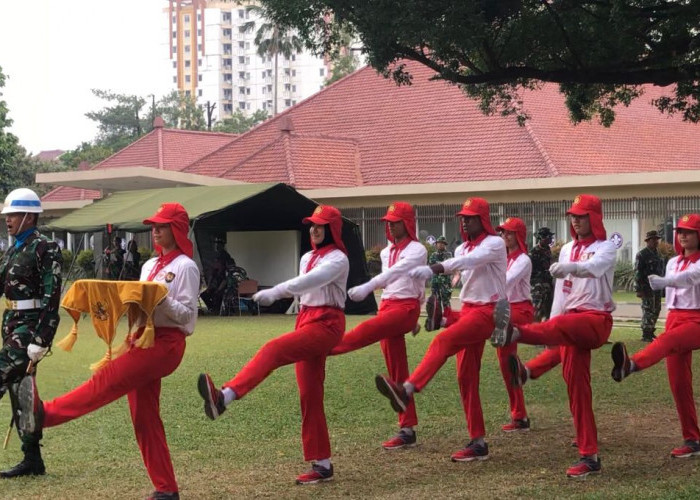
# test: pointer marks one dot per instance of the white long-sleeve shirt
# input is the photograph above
(518, 279)
(684, 290)
(395, 281)
(590, 285)
(179, 309)
(483, 270)
(323, 285)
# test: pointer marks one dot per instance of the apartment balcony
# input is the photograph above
(286, 79)
(268, 64)
(226, 38)
(268, 79)
(227, 84)
(227, 67)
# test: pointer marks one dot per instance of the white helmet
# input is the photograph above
(22, 200)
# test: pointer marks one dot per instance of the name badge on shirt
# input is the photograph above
(567, 286)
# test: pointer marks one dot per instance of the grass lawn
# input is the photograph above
(254, 449)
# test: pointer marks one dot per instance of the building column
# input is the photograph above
(635, 229)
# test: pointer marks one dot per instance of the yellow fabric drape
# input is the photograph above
(106, 302)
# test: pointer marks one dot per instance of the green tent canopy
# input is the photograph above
(126, 210)
(216, 211)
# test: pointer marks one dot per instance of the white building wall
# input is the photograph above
(231, 73)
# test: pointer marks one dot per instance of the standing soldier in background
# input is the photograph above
(541, 280)
(30, 277)
(648, 262)
(440, 285)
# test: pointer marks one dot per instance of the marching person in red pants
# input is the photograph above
(138, 372)
(319, 327)
(398, 310)
(680, 338)
(581, 321)
(519, 267)
(482, 260)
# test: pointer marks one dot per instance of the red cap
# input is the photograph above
(517, 226)
(480, 208)
(401, 211)
(326, 214)
(690, 222)
(175, 215)
(588, 204)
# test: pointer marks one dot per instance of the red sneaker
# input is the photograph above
(317, 474)
(689, 449)
(471, 452)
(403, 439)
(396, 393)
(517, 425)
(584, 467)
(518, 372)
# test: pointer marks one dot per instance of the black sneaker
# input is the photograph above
(395, 393)
(31, 408)
(404, 439)
(689, 449)
(213, 398)
(316, 474)
(163, 495)
(502, 334)
(621, 362)
(584, 467)
(471, 452)
(518, 372)
(433, 308)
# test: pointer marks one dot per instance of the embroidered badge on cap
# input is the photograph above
(577, 200)
(507, 221)
(685, 218)
(391, 208)
(467, 203)
(318, 210)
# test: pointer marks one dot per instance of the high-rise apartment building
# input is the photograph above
(214, 58)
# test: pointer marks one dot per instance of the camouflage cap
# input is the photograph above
(652, 234)
(441, 239)
(544, 232)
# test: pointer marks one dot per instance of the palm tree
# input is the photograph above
(272, 40)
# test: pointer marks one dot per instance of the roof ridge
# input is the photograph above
(274, 119)
(286, 144)
(201, 132)
(553, 171)
(326, 137)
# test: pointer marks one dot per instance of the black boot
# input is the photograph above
(32, 465)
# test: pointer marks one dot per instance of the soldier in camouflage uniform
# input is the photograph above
(440, 284)
(30, 275)
(541, 283)
(647, 262)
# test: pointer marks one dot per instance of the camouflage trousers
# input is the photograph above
(444, 292)
(13, 367)
(542, 297)
(651, 307)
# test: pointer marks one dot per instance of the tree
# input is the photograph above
(272, 39)
(342, 66)
(121, 123)
(239, 122)
(181, 111)
(10, 150)
(599, 51)
(86, 152)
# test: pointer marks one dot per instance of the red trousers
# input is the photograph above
(395, 319)
(576, 334)
(466, 339)
(680, 338)
(317, 331)
(137, 374)
(520, 313)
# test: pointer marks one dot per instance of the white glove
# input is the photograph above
(421, 272)
(358, 293)
(657, 282)
(561, 269)
(267, 297)
(36, 352)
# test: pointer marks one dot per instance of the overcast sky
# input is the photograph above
(54, 51)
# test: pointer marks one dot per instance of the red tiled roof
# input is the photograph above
(431, 132)
(297, 160)
(167, 149)
(49, 155)
(641, 139)
(67, 193)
